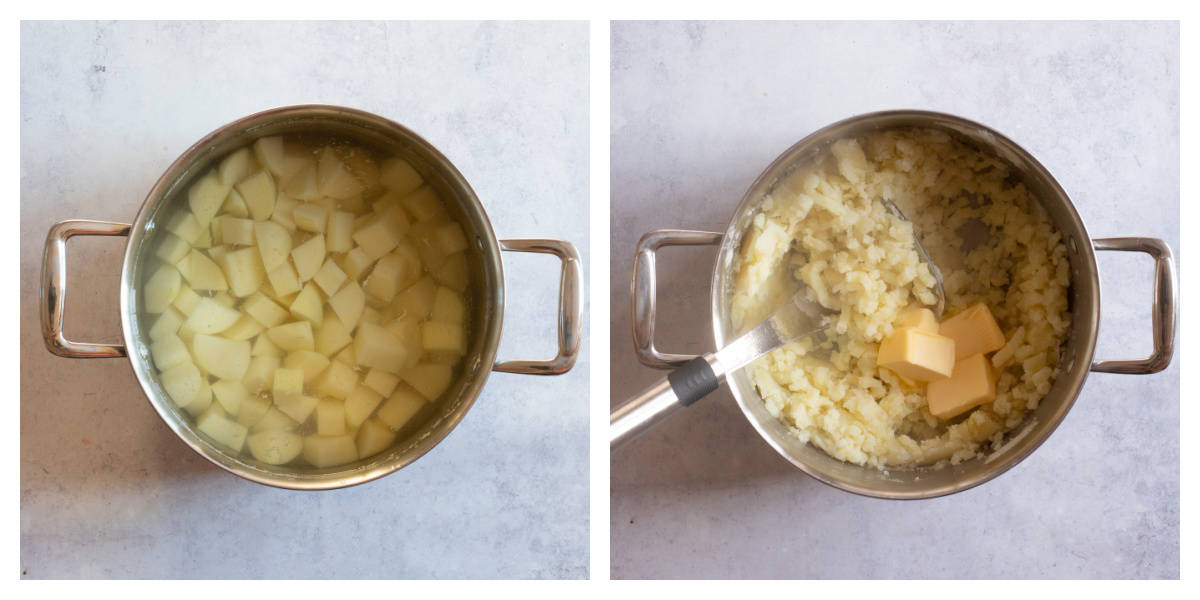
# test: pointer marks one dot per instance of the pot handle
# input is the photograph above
(570, 308)
(54, 288)
(1165, 314)
(643, 288)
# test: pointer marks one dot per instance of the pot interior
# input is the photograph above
(484, 294)
(1083, 302)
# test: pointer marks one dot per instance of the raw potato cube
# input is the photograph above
(167, 324)
(400, 408)
(330, 278)
(186, 300)
(424, 204)
(231, 394)
(360, 404)
(162, 287)
(211, 317)
(261, 373)
(288, 382)
(408, 332)
(274, 244)
(235, 205)
(308, 362)
(348, 303)
(292, 336)
(203, 400)
(258, 191)
(205, 240)
(385, 278)
(329, 451)
(275, 447)
(236, 166)
(308, 305)
(186, 333)
(227, 359)
(339, 380)
(373, 438)
(252, 409)
(185, 226)
(202, 273)
(297, 407)
(453, 273)
(416, 301)
(283, 280)
(308, 257)
(269, 151)
(346, 357)
(244, 270)
(169, 352)
(450, 238)
(303, 184)
(356, 263)
(398, 175)
(264, 310)
(172, 249)
(339, 232)
(333, 334)
(263, 346)
(244, 329)
(431, 379)
(443, 339)
(282, 215)
(381, 381)
(448, 307)
(310, 216)
(424, 235)
(224, 299)
(331, 417)
(274, 420)
(218, 253)
(376, 347)
(182, 383)
(237, 231)
(334, 179)
(378, 237)
(206, 196)
(222, 430)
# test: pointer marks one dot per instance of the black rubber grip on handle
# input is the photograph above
(693, 381)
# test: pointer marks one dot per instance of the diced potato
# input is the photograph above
(186, 333)
(424, 236)
(303, 184)
(450, 238)
(380, 381)
(206, 196)
(244, 329)
(275, 447)
(170, 351)
(407, 251)
(185, 226)
(360, 164)
(227, 359)
(338, 381)
(308, 257)
(360, 404)
(182, 383)
(333, 334)
(274, 420)
(453, 273)
(218, 254)
(283, 280)
(424, 204)
(203, 401)
(269, 151)
(258, 191)
(385, 278)
(205, 240)
(222, 430)
(329, 451)
(224, 299)
(264, 310)
(400, 408)
(310, 216)
(448, 306)
(307, 362)
(167, 324)
(162, 287)
(252, 409)
(202, 273)
(244, 270)
(236, 167)
(330, 278)
(292, 336)
(370, 315)
(274, 243)
(261, 373)
(211, 317)
(348, 303)
(408, 333)
(443, 339)
(263, 346)
(282, 215)
(376, 347)
(378, 237)
(236, 231)
(308, 305)
(334, 179)
(417, 300)
(374, 437)
(235, 205)
(356, 263)
(231, 394)
(186, 300)
(331, 417)
(288, 382)
(297, 407)
(339, 232)
(431, 379)
(172, 249)
(399, 176)
(346, 356)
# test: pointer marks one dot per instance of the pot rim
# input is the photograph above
(330, 478)
(1073, 374)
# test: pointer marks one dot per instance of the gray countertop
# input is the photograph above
(698, 110)
(108, 491)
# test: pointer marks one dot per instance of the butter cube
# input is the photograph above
(918, 318)
(917, 354)
(974, 331)
(972, 384)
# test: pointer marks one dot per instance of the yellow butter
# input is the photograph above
(974, 331)
(918, 318)
(973, 383)
(917, 354)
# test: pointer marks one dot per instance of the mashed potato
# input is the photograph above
(824, 225)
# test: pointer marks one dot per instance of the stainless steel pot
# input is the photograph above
(485, 293)
(920, 482)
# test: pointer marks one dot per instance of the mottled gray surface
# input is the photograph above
(106, 488)
(698, 110)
